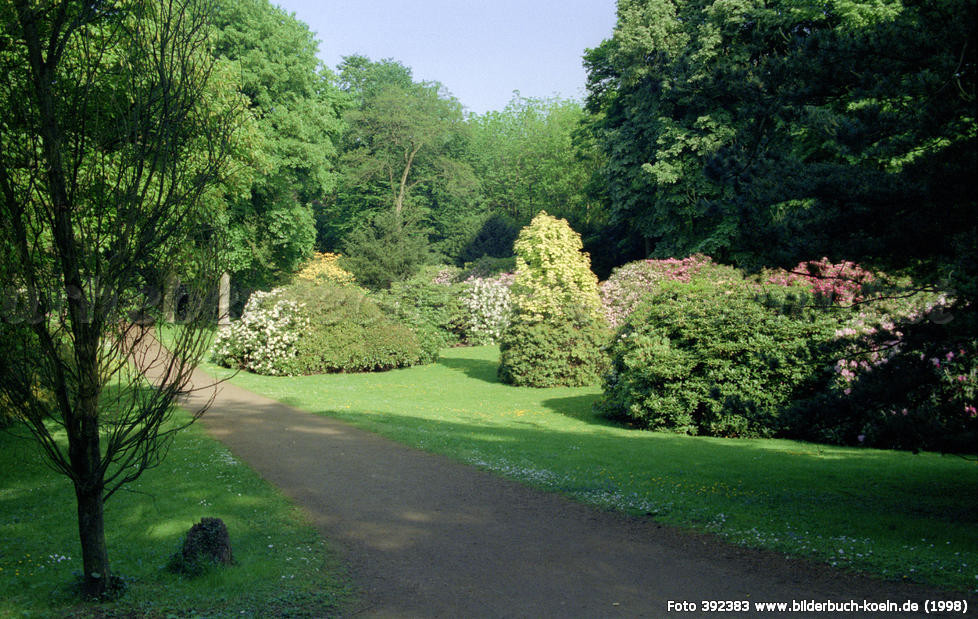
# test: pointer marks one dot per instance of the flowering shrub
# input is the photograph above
(632, 282)
(713, 359)
(264, 339)
(905, 382)
(487, 305)
(310, 328)
(325, 266)
(841, 283)
(446, 276)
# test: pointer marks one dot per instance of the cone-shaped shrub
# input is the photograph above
(557, 333)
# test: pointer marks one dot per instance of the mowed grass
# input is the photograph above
(282, 567)
(894, 514)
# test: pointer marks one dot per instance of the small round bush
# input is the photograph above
(715, 359)
(565, 351)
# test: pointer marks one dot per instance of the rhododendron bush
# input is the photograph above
(264, 340)
(841, 283)
(902, 380)
(632, 282)
(487, 304)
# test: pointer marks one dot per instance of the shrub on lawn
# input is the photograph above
(557, 334)
(552, 272)
(488, 308)
(312, 328)
(429, 303)
(629, 284)
(264, 340)
(908, 384)
(564, 351)
(349, 332)
(716, 359)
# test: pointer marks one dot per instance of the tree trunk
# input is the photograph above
(172, 286)
(224, 301)
(91, 531)
(85, 461)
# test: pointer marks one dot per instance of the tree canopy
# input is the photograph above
(774, 132)
(293, 96)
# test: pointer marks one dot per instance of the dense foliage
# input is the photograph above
(729, 129)
(430, 303)
(312, 328)
(905, 380)
(630, 283)
(271, 226)
(552, 273)
(716, 358)
(556, 334)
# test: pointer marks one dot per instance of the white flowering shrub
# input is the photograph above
(264, 339)
(487, 305)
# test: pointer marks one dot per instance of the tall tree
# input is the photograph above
(116, 145)
(403, 154)
(297, 105)
(527, 158)
(775, 132)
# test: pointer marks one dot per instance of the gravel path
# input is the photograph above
(426, 536)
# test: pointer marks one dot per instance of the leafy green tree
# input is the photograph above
(528, 158)
(293, 95)
(119, 138)
(384, 250)
(730, 129)
(403, 153)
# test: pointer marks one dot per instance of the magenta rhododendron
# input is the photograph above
(841, 283)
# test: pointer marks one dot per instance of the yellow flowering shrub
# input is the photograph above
(325, 266)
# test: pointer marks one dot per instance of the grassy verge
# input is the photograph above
(282, 565)
(894, 514)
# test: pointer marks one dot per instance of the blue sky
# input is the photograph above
(480, 50)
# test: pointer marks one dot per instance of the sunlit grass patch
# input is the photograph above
(890, 513)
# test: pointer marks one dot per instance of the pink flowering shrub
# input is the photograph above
(840, 283)
(901, 381)
(629, 284)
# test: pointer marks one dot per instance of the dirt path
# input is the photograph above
(426, 536)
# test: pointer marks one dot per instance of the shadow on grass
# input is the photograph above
(479, 369)
(581, 407)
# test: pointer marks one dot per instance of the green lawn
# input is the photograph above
(890, 513)
(282, 565)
